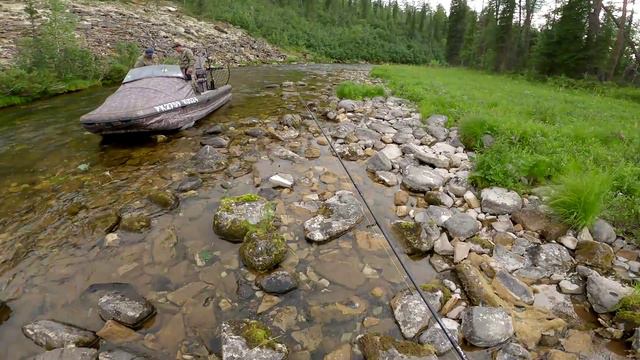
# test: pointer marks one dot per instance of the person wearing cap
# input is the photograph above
(148, 58)
(187, 60)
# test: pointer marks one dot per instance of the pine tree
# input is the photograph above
(504, 35)
(457, 26)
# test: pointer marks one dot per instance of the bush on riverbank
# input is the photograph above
(53, 61)
(543, 135)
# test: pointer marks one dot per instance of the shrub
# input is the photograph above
(354, 91)
(579, 197)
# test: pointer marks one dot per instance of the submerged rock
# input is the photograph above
(410, 311)
(68, 354)
(135, 222)
(210, 160)
(215, 141)
(282, 180)
(130, 309)
(381, 347)
(164, 199)
(51, 334)
(189, 184)
(499, 201)
(462, 226)
(278, 282)
(486, 326)
(250, 340)
(119, 355)
(263, 249)
(436, 337)
(337, 215)
(237, 215)
(421, 178)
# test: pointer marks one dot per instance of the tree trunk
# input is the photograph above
(530, 8)
(619, 45)
(634, 47)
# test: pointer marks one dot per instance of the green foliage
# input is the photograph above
(540, 130)
(457, 28)
(120, 62)
(342, 31)
(355, 91)
(579, 197)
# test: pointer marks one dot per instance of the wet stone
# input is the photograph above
(411, 313)
(51, 334)
(68, 354)
(462, 226)
(164, 199)
(417, 239)
(282, 180)
(189, 184)
(486, 326)
(350, 152)
(215, 141)
(337, 215)
(135, 222)
(116, 333)
(210, 160)
(436, 337)
(263, 250)
(213, 130)
(237, 215)
(255, 132)
(250, 340)
(374, 346)
(128, 309)
(278, 282)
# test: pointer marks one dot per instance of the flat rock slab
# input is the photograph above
(486, 326)
(338, 215)
(128, 309)
(462, 226)
(511, 289)
(551, 258)
(421, 178)
(499, 201)
(411, 313)
(51, 334)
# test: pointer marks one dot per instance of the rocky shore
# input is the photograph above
(292, 267)
(103, 24)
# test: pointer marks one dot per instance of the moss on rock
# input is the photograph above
(482, 242)
(239, 215)
(257, 334)
(436, 285)
(164, 199)
(410, 232)
(263, 249)
(629, 311)
(594, 253)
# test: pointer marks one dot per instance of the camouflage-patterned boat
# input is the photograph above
(154, 99)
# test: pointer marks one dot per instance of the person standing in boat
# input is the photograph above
(187, 60)
(147, 59)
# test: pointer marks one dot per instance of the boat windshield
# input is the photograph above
(153, 71)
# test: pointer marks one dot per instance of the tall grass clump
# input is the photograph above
(355, 91)
(578, 198)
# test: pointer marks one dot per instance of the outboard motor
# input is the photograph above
(209, 77)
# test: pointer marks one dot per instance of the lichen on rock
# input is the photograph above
(263, 249)
(237, 216)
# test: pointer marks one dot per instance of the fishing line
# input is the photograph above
(433, 312)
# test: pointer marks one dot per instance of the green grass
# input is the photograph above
(583, 141)
(355, 91)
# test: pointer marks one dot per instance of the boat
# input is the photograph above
(157, 98)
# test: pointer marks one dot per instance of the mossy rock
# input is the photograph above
(436, 285)
(236, 216)
(106, 222)
(263, 249)
(594, 253)
(377, 347)
(257, 334)
(628, 311)
(412, 235)
(164, 199)
(483, 243)
(135, 223)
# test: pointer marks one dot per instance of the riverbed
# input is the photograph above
(63, 189)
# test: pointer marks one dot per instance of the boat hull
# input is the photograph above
(174, 115)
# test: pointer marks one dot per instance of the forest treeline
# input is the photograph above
(577, 38)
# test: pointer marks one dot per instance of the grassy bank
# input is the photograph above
(585, 143)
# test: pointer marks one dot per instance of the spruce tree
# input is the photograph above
(457, 26)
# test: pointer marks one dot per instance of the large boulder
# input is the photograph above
(380, 347)
(534, 219)
(594, 253)
(236, 216)
(421, 178)
(263, 249)
(462, 226)
(486, 326)
(128, 309)
(337, 215)
(410, 311)
(604, 294)
(499, 201)
(247, 339)
(52, 335)
(602, 231)
(551, 258)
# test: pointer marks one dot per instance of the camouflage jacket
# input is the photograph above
(145, 61)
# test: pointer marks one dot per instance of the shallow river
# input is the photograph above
(61, 188)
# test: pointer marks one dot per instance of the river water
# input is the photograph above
(60, 187)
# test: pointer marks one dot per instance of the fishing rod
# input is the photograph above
(434, 313)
